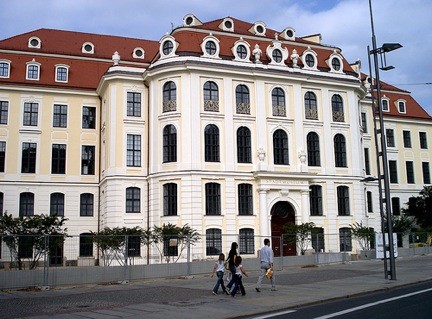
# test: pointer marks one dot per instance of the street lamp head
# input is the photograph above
(387, 47)
(369, 179)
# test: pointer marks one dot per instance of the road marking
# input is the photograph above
(372, 304)
(274, 314)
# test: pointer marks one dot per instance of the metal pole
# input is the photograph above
(392, 272)
(380, 190)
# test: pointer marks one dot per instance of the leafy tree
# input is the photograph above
(364, 235)
(181, 235)
(114, 243)
(421, 208)
(35, 233)
(299, 234)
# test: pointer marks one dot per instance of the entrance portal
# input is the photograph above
(281, 214)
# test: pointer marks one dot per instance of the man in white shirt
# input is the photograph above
(266, 258)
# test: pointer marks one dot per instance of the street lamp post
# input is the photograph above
(387, 47)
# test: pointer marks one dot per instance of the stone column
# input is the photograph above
(305, 210)
(263, 214)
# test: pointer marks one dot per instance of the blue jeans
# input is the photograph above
(219, 281)
(238, 284)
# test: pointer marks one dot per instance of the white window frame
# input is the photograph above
(388, 104)
(404, 104)
(30, 45)
(203, 47)
(134, 55)
(248, 51)
(337, 56)
(8, 62)
(33, 63)
(83, 50)
(174, 44)
(307, 52)
(58, 66)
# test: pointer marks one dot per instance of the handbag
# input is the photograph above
(269, 273)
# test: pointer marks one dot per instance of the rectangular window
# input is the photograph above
(407, 139)
(86, 245)
(133, 104)
(89, 117)
(390, 138)
(60, 115)
(423, 140)
(26, 204)
(32, 72)
(213, 242)
(393, 172)
(245, 201)
(4, 70)
(364, 122)
(369, 202)
(58, 159)
(315, 200)
(4, 109)
(88, 160)
(28, 158)
(410, 172)
(133, 200)
(426, 173)
(86, 204)
(367, 161)
(213, 199)
(385, 105)
(247, 241)
(395, 201)
(343, 201)
(57, 203)
(2, 155)
(30, 114)
(133, 157)
(170, 199)
(62, 74)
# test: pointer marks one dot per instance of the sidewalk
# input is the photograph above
(192, 297)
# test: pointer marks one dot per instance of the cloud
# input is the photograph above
(342, 23)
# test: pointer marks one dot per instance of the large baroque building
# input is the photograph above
(227, 126)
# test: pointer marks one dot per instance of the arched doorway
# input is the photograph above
(281, 214)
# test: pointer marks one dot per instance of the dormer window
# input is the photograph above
(33, 70)
(309, 59)
(210, 47)
(241, 51)
(385, 105)
(168, 46)
(4, 68)
(88, 48)
(190, 20)
(62, 72)
(335, 63)
(34, 43)
(401, 106)
(227, 25)
(138, 53)
(277, 55)
(259, 28)
(288, 34)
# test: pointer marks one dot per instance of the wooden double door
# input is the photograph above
(281, 214)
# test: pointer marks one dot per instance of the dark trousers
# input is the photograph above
(238, 284)
(233, 271)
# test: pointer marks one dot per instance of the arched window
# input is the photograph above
(311, 108)
(278, 102)
(245, 199)
(313, 149)
(337, 108)
(345, 239)
(170, 199)
(213, 242)
(213, 199)
(211, 139)
(343, 201)
(211, 96)
(242, 99)
(244, 153)
(340, 151)
(280, 147)
(169, 97)
(247, 241)
(133, 200)
(169, 144)
(57, 204)
(315, 200)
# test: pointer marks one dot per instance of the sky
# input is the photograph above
(342, 23)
